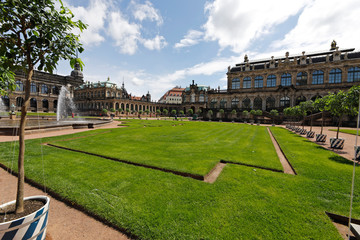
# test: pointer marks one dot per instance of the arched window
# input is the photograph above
(192, 98)
(45, 103)
(318, 77)
(235, 83)
(55, 103)
(201, 97)
(234, 102)
(271, 81)
(353, 74)
(19, 101)
(213, 103)
(285, 102)
(247, 82)
(33, 103)
(33, 87)
(335, 75)
(270, 103)
(246, 103)
(286, 79)
(301, 79)
(259, 82)
(19, 86)
(258, 103)
(300, 99)
(223, 103)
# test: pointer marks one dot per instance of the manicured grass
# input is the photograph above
(244, 203)
(183, 146)
(348, 131)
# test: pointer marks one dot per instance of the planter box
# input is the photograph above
(337, 143)
(32, 226)
(320, 137)
(310, 134)
(357, 152)
(303, 131)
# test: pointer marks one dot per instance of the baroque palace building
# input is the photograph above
(277, 83)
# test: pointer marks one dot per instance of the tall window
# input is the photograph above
(335, 76)
(258, 82)
(318, 77)
(234, 102)
(286, 79)
(258, 103)
(353, 74)
(19, 86)
(301, 78)
(44, 89)
(247, 82)
(223, 103)
(192, 98)
(246, 103)
(285, 102)
(201, 97)
(271, 81)
(55, 90)
(213, 103)
(33, 87)
(235, 83)
(270, 103)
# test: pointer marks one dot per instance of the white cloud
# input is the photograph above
(193, 37)
(94, 16)
(320, 23)
(236, 23)
(146, 11)
(125, 34)
(156, 43)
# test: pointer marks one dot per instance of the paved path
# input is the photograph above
(64, 222)
(348, 150)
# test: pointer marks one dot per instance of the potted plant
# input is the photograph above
(28, 41)
(245, 115)
(210, 113)
(233, 115)
(221, 114)
(274, 113)
(258, 113)
(253, 115)
(320, 105)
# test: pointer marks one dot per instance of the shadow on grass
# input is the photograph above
(342, 160)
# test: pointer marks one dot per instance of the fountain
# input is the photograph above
(65, 108)
(65, 105)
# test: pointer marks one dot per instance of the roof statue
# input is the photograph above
(333, 45)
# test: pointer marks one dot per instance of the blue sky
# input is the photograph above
(154, 45)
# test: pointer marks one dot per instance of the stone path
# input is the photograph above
(288, 169)
(64, 222)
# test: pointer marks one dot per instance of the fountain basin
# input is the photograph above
(11, 127)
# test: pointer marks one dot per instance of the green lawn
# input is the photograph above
(348, 131)
(244, 203)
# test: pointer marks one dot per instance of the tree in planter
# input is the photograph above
(245, 114)
(190, 112)
(210, 113)
(258, 113)
(173, 112)
(147, 111)
(140, 112)
(165, 111)
(320, 105)
(181, 112)
(119, 110)
(127, 112)
(221, 111)
(233, 114)
(289, 112)
(104, 111)
(253, 114)
(342, 104)
(307, 107)
(34, 33)
(274, 113)
(158, 112)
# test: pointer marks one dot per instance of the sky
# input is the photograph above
(155, 45)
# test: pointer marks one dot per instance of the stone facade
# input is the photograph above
(45, 88)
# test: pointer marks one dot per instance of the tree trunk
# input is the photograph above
(21, 172)
(338, 128)
(311, 122)
(322, 122)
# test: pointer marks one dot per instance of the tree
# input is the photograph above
(307, 107)
(165, 111)
(274, 113)
(112, 110)
(245, 114)
(341, 104)
(105, 111)
(7, 79)
(173, 112)
(158, 112)
(190, 112)
(34, 33)
(181, 112)
(120, 110)
(210, 113)
(320, 105)
(221, 111)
